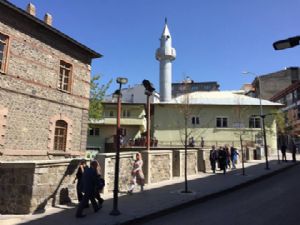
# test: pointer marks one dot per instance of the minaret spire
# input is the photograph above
(165, 55)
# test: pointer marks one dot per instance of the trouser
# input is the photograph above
(85, 201)
(213, 165)
(79, 192)
(99, 199)
(132, 186)
(283, 156)
(233, 163)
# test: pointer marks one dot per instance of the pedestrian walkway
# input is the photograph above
(157, 199)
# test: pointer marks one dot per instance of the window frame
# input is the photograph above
(4, 60)
(222, 121)
(254, 122)
(61, 83)
(60, 140)
(126, 113)
(94, 131)
(195, 120)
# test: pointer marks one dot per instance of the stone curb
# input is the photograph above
(180, 206)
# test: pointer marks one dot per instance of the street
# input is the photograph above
(272, 201)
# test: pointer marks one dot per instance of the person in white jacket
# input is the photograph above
(137, 173)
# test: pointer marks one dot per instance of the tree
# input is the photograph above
(97, 93)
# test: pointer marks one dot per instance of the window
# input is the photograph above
(65, 75)
(222, 122)
(254, 122)
(126, 113)
(3, 51)
(60, 136)
(111, 113)
(94, 131)
(195, 120)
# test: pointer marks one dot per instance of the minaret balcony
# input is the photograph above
(165, 54)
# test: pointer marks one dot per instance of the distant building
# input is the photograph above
(290, 98)
(273, 83)
(44, 88)
(102, 132)
(189, 86)
(135, 94)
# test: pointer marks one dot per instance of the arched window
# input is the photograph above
(60, 135)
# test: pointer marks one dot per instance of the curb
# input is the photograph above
(180, 206)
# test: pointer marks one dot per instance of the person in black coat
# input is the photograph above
(294, 151)
(283, 152)
(79, 174)
(222, 159)
(213, 156)
(90, 179)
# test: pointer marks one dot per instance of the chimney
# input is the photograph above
(31, 9)
(48, 19)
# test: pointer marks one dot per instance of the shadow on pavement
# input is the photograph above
(161, 200)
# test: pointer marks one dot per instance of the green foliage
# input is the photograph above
(97, 92)
(280, 121)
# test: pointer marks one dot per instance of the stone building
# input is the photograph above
(44, 102)
(44, 87)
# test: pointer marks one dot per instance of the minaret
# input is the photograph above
(165, 55)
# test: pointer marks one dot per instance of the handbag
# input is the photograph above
(101, 183)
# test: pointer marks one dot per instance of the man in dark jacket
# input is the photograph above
(213, 156)
(89, 181)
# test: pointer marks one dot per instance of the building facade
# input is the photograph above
(290, 98)
(101, 135)
(189, 86)
(273, 83)
(44, 88)
(218, 118)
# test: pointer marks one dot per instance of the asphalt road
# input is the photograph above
(274, 201)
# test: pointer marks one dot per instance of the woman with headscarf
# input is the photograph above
(137, 173)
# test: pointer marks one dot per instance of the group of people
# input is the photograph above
(193, 144)
(283, 149)
(90, 183)
(223, 157)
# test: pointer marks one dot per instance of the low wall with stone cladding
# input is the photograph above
(158, 165)
(107, 163)
(179, 162)
(29, 187)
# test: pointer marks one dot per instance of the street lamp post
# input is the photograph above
(265, 141)
(148, 92)
(115, 211)
(262, 119)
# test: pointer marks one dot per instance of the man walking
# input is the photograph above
(213, 158)
(283, 152)
(90, 179)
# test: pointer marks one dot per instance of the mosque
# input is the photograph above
(213, 117)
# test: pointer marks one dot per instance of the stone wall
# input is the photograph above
(107, 163)
(179, 162)
(158, 165)
(29, 95)
(29, 187)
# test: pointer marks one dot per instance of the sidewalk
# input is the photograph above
(157, 199)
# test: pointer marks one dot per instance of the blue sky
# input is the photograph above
(215, 40)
